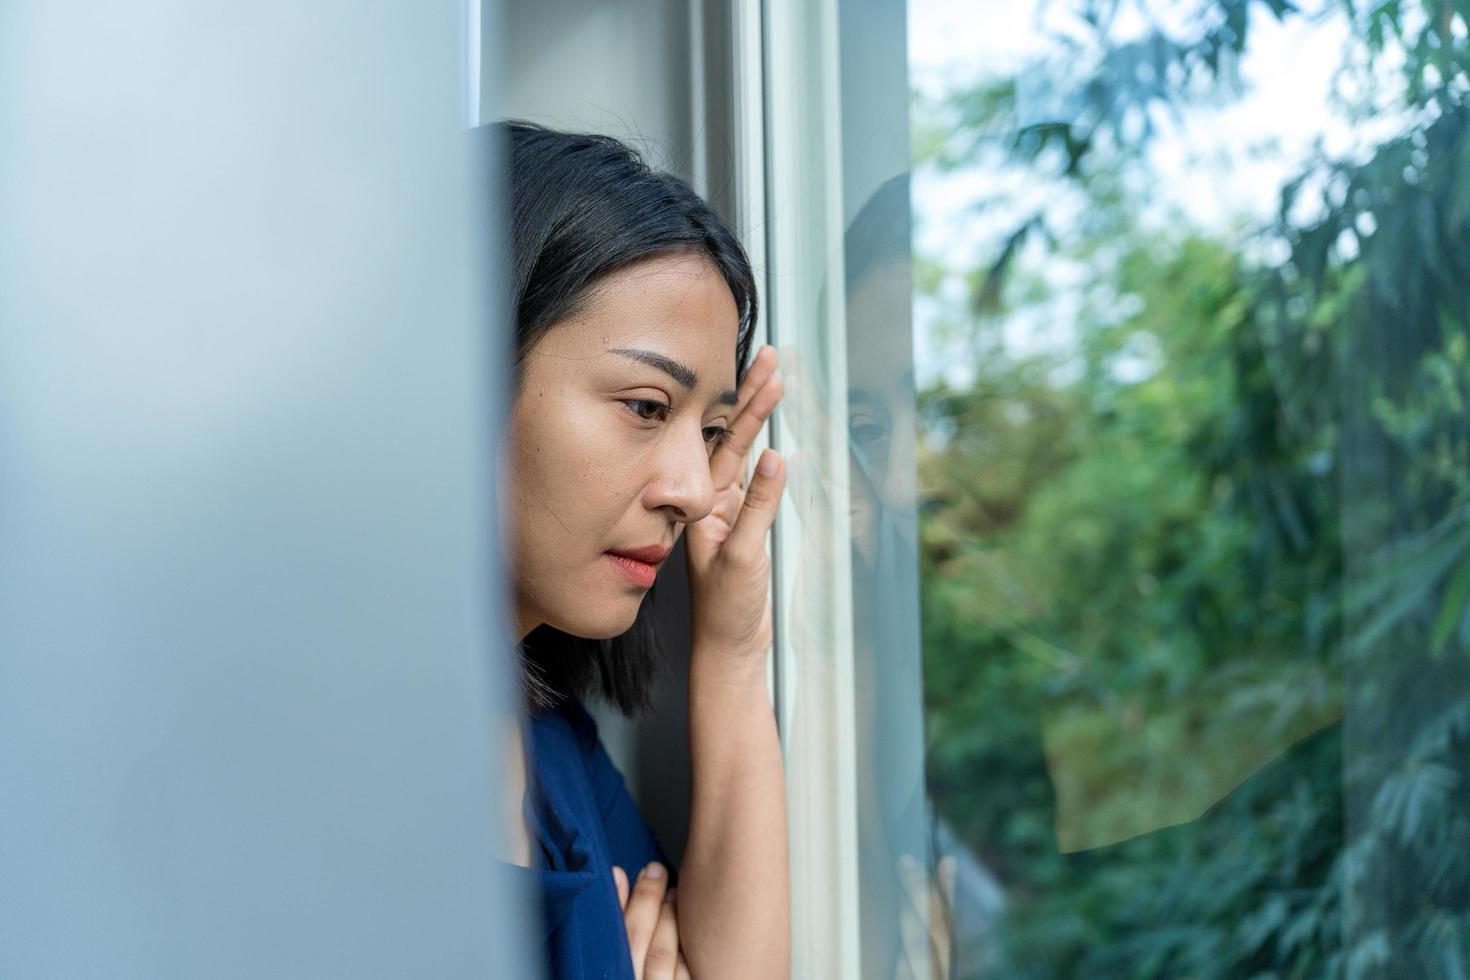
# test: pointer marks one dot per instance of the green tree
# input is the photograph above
(1234, 508)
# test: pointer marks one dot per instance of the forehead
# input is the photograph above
(675, 305)
(880, 342)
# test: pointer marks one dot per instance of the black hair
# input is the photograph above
(583, 206)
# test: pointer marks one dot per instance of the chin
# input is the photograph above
(612, 622)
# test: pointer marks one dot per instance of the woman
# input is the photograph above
(633, 415)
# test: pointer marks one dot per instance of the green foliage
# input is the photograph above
(1197, 579)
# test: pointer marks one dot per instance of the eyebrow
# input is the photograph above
(868, 399)
(681, 373)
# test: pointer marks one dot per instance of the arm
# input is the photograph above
(734, 886)
(734, 904)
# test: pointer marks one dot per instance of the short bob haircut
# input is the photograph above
(583, 206)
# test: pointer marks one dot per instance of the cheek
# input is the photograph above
(572, 479)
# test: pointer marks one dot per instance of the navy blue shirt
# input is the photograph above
(584, 822)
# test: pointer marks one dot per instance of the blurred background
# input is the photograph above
(1192, 325)
(250, 629)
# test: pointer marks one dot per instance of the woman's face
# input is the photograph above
(611, 432)
(880, 421)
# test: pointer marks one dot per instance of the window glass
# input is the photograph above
(850, 680)
(249, 609)
(814, 676)
(1192, 360)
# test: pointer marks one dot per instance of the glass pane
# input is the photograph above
(894, 842)
(1192, 310)
(247, 612)
(850, 682)
(814, 677)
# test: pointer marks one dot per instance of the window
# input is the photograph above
(246, 630)
(1129, 485)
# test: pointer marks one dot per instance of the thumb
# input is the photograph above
(620, 880)
(762, 499)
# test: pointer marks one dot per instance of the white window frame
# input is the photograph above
(790, 203)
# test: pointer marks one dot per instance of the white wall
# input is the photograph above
(620, 67)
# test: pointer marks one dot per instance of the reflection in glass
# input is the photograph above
(880, 430)
(1192, 289)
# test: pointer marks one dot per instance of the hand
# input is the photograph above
(729, 568)
(811, 596)
(927, 919)
(653, 926)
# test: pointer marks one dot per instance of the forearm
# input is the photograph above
(734, 885)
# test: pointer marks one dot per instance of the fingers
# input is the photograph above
(663, 950)
(947, 871)
(762, 366)
(729, 459)
(641, 915)
(762, 499)
(948, 868)
(681, 972)
(926, 927)
(620, 879)
(913, 913)
(941, 926)
(915, 880)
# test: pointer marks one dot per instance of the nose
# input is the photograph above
(681, 484)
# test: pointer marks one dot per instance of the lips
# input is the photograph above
(639, 565)
(651, 555)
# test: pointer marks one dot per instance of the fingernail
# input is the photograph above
(769, 462)
(654, 871)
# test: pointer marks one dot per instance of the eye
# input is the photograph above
(650, 410)
(646, 408)
(866, 432)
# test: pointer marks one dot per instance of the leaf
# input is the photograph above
(1257, 928)
(1452, 608)
(1451, 963)
(1410, 799)
(1300, 929)
(1405, 583)
(1435, 737)
(1370, 951)
(987, 298)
